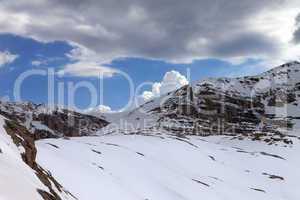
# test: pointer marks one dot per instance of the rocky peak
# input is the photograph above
(249, 105)
(45, 122)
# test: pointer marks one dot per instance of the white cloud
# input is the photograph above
(37, 63)
(278, 23)
(43, 60)
(172, 80)
(85, 63)
(81, 53)
(7, 58)
(87, 69)
(98, 110)
(103, 109)
(147, 96)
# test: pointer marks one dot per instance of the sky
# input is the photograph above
(150, 46)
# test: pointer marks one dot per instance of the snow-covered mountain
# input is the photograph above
(51, 122)
(258, 104)
(158, 150)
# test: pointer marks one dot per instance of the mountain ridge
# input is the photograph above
(271, 97)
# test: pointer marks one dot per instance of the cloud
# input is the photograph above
(87, 69)
(7, 58)
(103, 109)
(37, 63)
(178, 31)
(296, 34)
(99, 110)
(247, 44)
(42, 60)
(171, 81)
(84, 63)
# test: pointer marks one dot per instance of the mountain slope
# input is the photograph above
(17, 179)
(170, 168)
(22, 177)
(264, 103)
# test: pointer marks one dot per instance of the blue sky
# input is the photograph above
(116, 88)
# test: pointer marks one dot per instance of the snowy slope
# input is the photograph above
(17, 180)
(281, 82)
(285, 77)
(20, 176)
(169, 168)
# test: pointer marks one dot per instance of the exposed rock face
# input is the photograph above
(43, 122)
(22, 137)
(209, 111)
(244, 105)
(70, 124)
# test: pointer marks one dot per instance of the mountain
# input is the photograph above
(46, 122)
(251, 106)
(225, 138)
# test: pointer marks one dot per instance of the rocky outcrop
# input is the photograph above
(44, 122)
(209, 111)
(245, 105)
(67, 123)
(23, 138)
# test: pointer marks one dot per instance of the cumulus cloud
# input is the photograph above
(175, 31)
(98, 110)
(171, 81)
(7, 58)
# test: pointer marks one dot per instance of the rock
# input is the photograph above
(44, 122)
(22, 137)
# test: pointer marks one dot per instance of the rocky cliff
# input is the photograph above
(45, 122)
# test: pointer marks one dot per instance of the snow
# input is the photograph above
(285, 77)
(167, 168)
(17, 180)
(39, 126)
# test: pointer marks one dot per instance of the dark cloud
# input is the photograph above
(245, 44)
(161, 29)
(296, 37)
